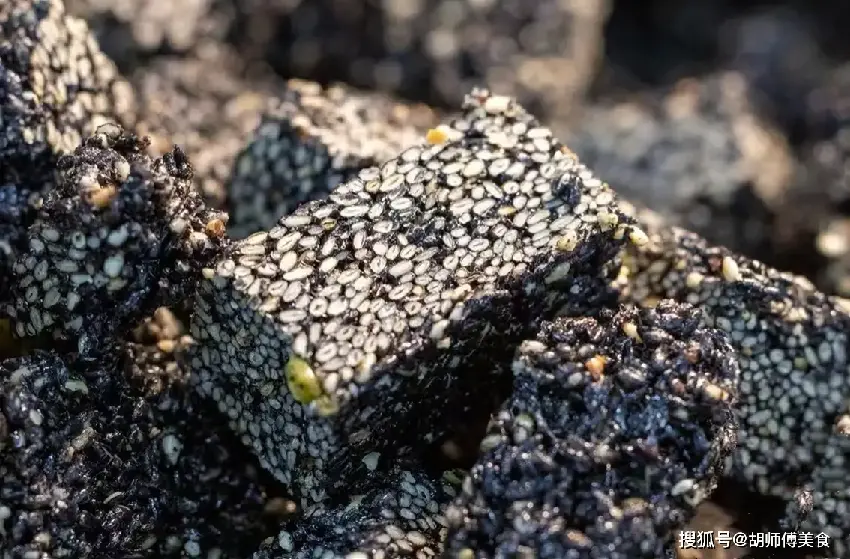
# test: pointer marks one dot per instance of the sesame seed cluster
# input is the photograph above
(118, 230)
(617, 426)
(55, 88)
(791, 344)
(399, 517)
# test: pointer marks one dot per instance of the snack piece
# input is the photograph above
(56, 87)
(791, 345)
(389, 310)
(617, 428)
(96, 462)
(544, 53)
(208, 106)
(119, 231)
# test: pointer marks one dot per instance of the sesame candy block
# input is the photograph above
(698, 155)
(400, 517)
(119, 229)
(617, 427)
(55, 88)
(387, 310)
(791, 344)
(314, 139)
(96, 463)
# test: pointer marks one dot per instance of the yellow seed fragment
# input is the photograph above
(693, 280)
(608, 220)
(301, 380)
(620, 232)
(638, 237)
(650, 302)
(326, 406)
(215, 228)
(578, 538)
(166, 346)
(595, 366)
(631, 330)
(730, 269)
(568, 242)
(102, 197)
(623, 275)
(634, 505)
(436, 136)
(714, 392)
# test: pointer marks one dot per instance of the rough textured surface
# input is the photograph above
(617, 428)
(543, 52)
(96, 463)
(312, 140)
(118, 230)
(696, 154)
(373, 316)
(400, 517)
(55, 88)
(208, 106)
(791, 344)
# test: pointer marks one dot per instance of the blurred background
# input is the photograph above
(729, 117)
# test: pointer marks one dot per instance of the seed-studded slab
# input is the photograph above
(698, 155)
(55, 88)
(617, 428)
(118, 229)
(791, 343)
(95, 463)
(314, 139)
(384, 312)
(401, 517)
